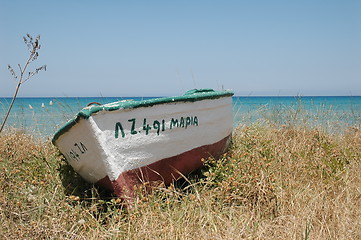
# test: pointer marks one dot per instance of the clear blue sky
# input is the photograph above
(156, 48)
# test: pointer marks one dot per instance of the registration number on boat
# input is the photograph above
(156, 126)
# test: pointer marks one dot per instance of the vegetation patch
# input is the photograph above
(274, 182)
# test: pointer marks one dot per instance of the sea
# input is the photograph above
(43, 116)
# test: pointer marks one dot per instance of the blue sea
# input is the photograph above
(44, 116)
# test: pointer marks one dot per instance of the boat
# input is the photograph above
(126, 143)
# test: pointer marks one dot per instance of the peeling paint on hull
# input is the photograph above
(166, 170)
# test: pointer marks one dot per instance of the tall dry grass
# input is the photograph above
(275, 182)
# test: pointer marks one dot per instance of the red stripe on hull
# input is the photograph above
(166, 170)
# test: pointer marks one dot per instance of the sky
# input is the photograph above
(164, 48)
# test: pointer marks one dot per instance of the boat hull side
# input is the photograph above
(125, 137)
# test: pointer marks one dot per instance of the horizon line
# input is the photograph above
(154, 96)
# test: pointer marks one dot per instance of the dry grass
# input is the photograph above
(273, 183)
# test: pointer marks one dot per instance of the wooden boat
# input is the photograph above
(121, 144)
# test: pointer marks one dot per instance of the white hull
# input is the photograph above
(110, 143)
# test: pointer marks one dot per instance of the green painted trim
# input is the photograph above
(190, 96)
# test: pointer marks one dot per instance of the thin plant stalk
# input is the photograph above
(33, 47)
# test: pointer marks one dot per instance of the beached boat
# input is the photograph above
(121, 144)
